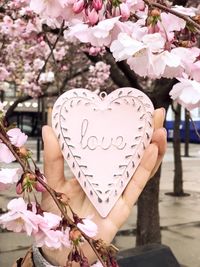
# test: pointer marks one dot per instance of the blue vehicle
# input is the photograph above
(195, 114)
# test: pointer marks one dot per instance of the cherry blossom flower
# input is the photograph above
(185, 59)
(53, 238)
(47, 8)
(187, 93)
(8, 177)
(146, 57)
(47, 77)
(48, 220)
(38, 64)
(16, 137)
(48, 235)
(88, 227)
(18, 218)
(125, 46)
(5, 155)
(188, 11)
(98, 35)
(168, 24)
(135, 5)
(195, 71)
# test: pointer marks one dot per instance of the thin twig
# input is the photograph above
(188, 19)
(50, 54)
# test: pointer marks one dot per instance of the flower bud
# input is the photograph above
(93, 16)
(94, 51)
(19, 188)
(30, 207)
(23, 151)
(153, 29)
(84, 262)
(75, 234)
(78, 6)
(64, 198)
(97, 4)
(39, 187)
(39, 210)
(155, 12)
(113, 262)
(76, 256)
(125, 11)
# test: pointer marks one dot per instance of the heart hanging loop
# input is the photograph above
(102, 95)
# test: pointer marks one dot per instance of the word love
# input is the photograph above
(103, 139)
(93, 142)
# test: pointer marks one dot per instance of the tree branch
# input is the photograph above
(130, 75)
(180, 2)
(51, 53)
(52, 192)
(21, 99)
(159, 93)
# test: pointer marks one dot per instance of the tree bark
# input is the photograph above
(178, 172)
(187, 133)
(148, 219)
(180, 2)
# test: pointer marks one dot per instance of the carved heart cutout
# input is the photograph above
(103, 139)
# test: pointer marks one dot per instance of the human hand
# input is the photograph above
(107, 227)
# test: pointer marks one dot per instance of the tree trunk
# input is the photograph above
(2, 95)
(148, 222)
(178, 172)
(148, 219)
(187, 133)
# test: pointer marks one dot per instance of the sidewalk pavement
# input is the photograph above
(179, 216)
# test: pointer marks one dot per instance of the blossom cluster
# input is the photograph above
(21, 218)
(45, 227)
(156, 44)
(25, 50)
(25, 216)
(98, 75)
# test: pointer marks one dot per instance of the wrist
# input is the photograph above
(45, 257)
(59, 257)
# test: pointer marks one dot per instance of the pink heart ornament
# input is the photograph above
(103, 139)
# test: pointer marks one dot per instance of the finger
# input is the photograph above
(141, 176)
(53, 159)
(160, 138)
(159, 117)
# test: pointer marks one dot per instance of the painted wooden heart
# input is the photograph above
(103, 139)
